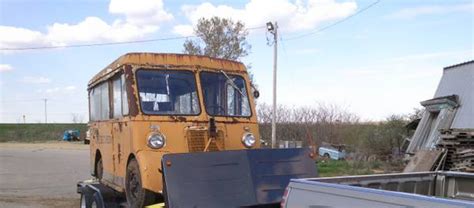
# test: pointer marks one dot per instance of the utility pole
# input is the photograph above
(45, 110)
(274, 30)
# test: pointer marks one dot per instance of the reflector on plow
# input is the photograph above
(233, 178)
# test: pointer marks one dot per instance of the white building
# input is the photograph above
(451, 108)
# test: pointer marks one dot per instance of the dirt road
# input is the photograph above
(42, 175)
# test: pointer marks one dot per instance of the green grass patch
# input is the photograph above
(37, 132)
(328, 168)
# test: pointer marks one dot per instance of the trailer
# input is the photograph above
(422, 189)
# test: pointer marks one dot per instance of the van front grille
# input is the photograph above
(198, 139)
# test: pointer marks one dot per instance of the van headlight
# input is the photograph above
(248, 140)
(156, 141)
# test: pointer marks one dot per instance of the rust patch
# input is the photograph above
(119, 153)
(130, 83)
(120, 126)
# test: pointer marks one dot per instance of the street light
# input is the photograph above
(270, 27)
(273, 29)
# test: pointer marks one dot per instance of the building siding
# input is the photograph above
(459, 80)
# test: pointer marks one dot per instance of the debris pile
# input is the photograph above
(459, 147)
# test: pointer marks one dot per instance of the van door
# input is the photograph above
(105, 143)
(103, 129)
(101, 133)
(120, 130)
(121, 133)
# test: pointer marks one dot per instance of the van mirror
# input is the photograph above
(256, 94)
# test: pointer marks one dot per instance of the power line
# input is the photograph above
(95, 44)
(108, 43)
(256, 28)
(335, 23)
(180, 37)
(27, 100)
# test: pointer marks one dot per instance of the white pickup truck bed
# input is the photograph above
(425, 189)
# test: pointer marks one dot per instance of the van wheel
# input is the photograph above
(137, 196)
(83, 201)
(96, 203)
(326, 156)
(99, 169)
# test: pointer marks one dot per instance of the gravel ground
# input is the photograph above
(42, 174)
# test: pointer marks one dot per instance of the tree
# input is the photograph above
(219, 38)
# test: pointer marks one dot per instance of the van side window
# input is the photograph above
(119, 96)
(99, 102)
(104, 101)
(94, 104)
(124, 96)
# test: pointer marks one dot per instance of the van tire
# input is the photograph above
(137, 196)
(99, 169)
(83, 203)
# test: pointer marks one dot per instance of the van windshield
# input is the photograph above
(167, 92)
(224, 94)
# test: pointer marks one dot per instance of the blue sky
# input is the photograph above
(380, 62)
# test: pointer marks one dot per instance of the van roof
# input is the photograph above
(157, 59)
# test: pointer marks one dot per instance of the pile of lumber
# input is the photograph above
(459, 147)
(464, 161)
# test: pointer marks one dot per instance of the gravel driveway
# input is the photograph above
(42, 175)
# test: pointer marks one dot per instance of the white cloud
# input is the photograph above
(291, 16)
(141, 18)
(5, 68)
(462, 55)
(410, 13)
(141, 12)
(61, 90)
(184, 30)
(70, 88)
(36, 80)
(19, 37)
(52, 90)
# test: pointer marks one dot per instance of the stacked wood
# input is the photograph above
(459, 144)
(464, 161)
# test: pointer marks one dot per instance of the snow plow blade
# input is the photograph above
(236, 178)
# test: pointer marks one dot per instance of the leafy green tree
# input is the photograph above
(219, 38)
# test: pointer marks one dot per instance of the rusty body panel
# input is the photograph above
(117, 140)
(166, 60)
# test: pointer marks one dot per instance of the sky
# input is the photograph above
(382, 61)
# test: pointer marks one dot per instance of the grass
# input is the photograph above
(37, 132)
(328, 168)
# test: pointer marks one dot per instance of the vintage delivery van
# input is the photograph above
(145, 105)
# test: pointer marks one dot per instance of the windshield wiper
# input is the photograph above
(232, 83)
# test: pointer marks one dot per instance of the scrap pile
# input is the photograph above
(459, 147)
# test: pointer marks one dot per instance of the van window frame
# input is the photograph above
(246, 89)
(163, 69)
(123, 89)
(94, 88)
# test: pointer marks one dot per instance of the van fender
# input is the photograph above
(149, 163)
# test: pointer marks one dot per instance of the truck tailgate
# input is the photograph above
(422, 189)
(320, 194)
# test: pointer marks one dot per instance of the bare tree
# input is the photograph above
(320, 123)
(416, 114)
